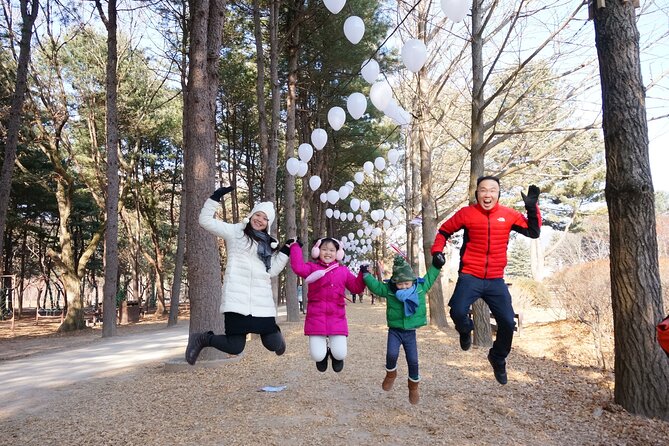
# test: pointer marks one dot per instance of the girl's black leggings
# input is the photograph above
(234, 344)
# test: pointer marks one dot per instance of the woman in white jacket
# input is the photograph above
(248, 304)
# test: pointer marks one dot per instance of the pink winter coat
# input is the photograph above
(326, 301)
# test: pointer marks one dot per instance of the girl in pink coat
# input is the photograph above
(325, 323)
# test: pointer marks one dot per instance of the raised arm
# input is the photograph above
(207, 220)
(530, 226)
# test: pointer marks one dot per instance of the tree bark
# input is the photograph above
(435, 295)
(15, 113)
(641, 367)
(292, 307)
(110, 286)
(202, 257)
(482, 329)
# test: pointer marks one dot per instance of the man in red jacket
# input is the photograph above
(487, 226)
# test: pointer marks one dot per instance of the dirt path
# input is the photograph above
(546, 402)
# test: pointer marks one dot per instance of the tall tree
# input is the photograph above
(110, 286)
(641, 367)
(29, 11)
(202, 256)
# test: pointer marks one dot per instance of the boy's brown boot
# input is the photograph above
(413, 392)
(388, 381)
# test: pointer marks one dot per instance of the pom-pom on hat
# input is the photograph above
(266, 207)
(402, 271)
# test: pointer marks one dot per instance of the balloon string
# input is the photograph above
(350, 79)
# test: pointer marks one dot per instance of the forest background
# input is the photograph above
(194, 96)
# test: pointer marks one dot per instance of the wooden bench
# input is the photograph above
(49, 314)
(493, 325)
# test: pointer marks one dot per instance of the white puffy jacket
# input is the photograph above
(247, 286)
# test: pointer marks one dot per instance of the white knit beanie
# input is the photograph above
(267, 207)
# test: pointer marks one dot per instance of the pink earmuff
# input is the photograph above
(316, 250)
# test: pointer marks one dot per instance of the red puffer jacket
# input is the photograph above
(486, 237)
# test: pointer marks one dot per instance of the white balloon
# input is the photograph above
(350, 185)
(374, 236)
(354, 29)
(380, 163)
(343, 192)
(336, 118)
(351, 236)
(334, 6)
(328, 212)
(389, 214)
(358, 218)
(369, 241)
(305, 152)
(364, 205)
(404, 117)
(455, 10)
(342, 216)
(370, 70)
(368, 167)
(356, 104)
(324, 197)
(360, 232)
(315, 183)
(359, 177)
(333, 196)
(380, 94)
(374, 215)
(349, 216)
(336, 213)
(393, 156)
(395, 221)
(386, 224)
(414, 54)
(380, 213)
(355, 204)
(344, 239)
(292, 165)
(319, 138)
(368, 230)
(364, 223)
(302, 170)
(377, 231)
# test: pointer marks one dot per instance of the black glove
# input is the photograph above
(364, 269)
(286, 246)
(218, 194)
(532, 197)
(299, 242)
(438, 260)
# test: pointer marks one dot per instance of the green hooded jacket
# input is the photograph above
(395, 308)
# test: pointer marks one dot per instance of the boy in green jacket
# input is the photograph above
(405, 311)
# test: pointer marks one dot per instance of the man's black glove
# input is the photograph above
(286, 246)
(438, 260)
(364, 269)
(218, 194)
(299, 242)
(531, 198)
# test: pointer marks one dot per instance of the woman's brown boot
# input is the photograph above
(413, 391)
(388, 381)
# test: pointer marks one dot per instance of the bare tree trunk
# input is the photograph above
(641, 367)
(291, 106)
(110, 286)
(202, 258)
(482, 329)
(15, 113)
(175, 292)
(436, 294)
(178, 268)
(263, 137)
